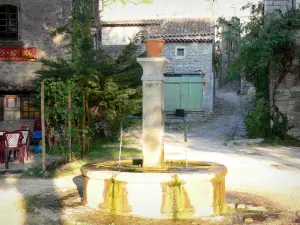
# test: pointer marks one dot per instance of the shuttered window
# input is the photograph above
(8, 22)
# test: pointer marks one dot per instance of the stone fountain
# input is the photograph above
(156, 188)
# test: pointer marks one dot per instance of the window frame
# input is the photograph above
(6, 35)
(180, 56)
(22, 111)
(297, 4)
(14, 98)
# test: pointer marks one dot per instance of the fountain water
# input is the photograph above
(156, 188)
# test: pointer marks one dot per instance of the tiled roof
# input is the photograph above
(132, 22)
(173, 30)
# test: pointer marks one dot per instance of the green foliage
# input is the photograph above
(257, 120)
(262, 122)
(267, 52)
(268, 47)
(57, 114)
(101, 150)
(229, 32)
(280, 125)
(287, 142)
(217, 60)
(36, 171)
(109, 150)
(112, 87)
(232, 32)
(120, 91)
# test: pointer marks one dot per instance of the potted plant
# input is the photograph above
(154, 47)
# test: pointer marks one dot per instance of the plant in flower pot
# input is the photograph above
(154, 46)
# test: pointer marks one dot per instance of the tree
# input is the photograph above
(112, 86)
(268, 47)
(268, 53)
(231, 35)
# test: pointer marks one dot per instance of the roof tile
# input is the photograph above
(173, 30)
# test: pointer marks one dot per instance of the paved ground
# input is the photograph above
(271, 173)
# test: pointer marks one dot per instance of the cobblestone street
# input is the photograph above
(263, 183)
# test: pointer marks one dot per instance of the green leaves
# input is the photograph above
(112, 87)
(267, 47)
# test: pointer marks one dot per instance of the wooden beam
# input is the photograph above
(43, 124)
(70, 125)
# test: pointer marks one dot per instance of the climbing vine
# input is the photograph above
(268, 53)
(229, 34)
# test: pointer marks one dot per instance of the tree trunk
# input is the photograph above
(88, 121)
(43, 125)
(70, 126)
(83, 127)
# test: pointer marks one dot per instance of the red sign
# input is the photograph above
(17, 53)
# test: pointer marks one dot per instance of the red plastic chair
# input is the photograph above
(25, 142)
(2, 132)
(2, 145)
(37, 125)
(13, 142)
(24, 128)
(2, 149)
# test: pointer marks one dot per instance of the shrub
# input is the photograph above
(260, 122)
(280, 125)
(257, 120)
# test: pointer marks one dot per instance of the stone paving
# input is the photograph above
(16, 166)
(266, 180)
(241, 208)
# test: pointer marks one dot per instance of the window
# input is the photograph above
(180, 52)
(27, 109)
(8, 22)
(11, 102)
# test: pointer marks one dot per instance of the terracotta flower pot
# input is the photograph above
(154, 47)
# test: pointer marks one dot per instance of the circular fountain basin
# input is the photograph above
(174, 192)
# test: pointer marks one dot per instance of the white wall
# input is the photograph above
(159, 9)
(119, 35)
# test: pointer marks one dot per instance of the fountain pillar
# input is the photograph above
(153, 110)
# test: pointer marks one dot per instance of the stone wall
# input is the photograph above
(270, 5)
(198, 58)
(36, 21)
(16, 124)
(287, 99)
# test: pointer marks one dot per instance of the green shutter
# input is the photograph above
(183, 93)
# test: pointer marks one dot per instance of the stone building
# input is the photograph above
(25, 34)
(189, 35)
(287, 94)
(228, 50)
(25, 28)
(188, 43)
(270, 5)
